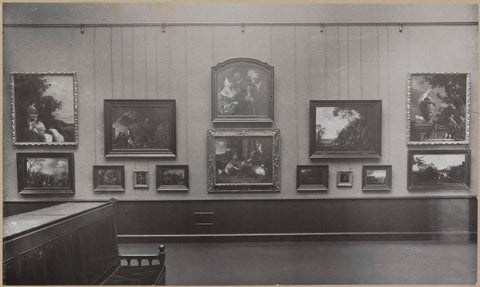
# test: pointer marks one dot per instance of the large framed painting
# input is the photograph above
(438, 169)
(243, 160)
(438, 108)
(44, 109)
(140, 128)
(172, 177)
(242, 91)
(345, 129)
(377, 178)
(312, 178)
(108, 178)
(45, 173)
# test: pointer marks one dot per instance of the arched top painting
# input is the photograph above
(438, 108)
(44, 109)
(242, 91)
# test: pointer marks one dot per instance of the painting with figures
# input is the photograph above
(172, 177)
(108, 178)
(242, 90)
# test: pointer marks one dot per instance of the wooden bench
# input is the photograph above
(73, 244)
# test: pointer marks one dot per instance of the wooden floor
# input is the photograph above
(345, 262)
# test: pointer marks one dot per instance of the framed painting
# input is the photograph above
(44, 109)
(344, 178)
(140, 128)
(438, 169)
(438, 108)
(312, 178)
(45, 173)
(108, 178)
(172, 177)
(345, 129)
(243, 160)
(140, 179)
(377, 178)
(242, 91)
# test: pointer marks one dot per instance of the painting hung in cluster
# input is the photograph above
(243, 160)
(438, 108)
(140, 128)
(172, 177)
(242, 90)
(45, 173)
(312, 178)
(345, 129)
(108, 178)
(377, 178)
(140, 179)
(438, 169)
(44, 108)
(344, 178)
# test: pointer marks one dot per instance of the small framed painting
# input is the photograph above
(344, 178)
(312, 178)
(108, 178)
(172, 177)
(140, 179)
(438, 169)
(377, 178)
(45, 173)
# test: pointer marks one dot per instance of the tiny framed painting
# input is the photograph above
(140, 179)
(438, 108)
(108, 178)
(438, 169)
(344, 178)
(312, 178)
(242, 91)
(345, 129)
(140, 128)
(172, 177)
(44, 109)
(45, 173)
(377, 178)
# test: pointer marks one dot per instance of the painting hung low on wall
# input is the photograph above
(438, 169)
(45, 173)
(108, 178)
(312, 178)
(140, 128)
(140, 179)
(44, 108)
(345, 129)
(438, 108)
(377, 178)
(242, 91)
(243, 160)
(172, 177)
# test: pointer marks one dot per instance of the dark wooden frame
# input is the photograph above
(23, 190)
(147, 179)
(158, 175)
(246, 118)
(376, 153)
(312, 187)
(350, 178)
(108, 188)
(377, 187)
(463, 186)
(170, 152)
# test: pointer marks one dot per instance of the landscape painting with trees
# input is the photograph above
(377, 178)
(438, 108)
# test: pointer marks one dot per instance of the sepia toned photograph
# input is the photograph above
(44, 108)
(140, 179)
(438, 169)
(345, 129)
(108, 178)
(45, 173)
(242, 90)
(140, 128)
(344, 178)
(438, 108)
(312, 178)
(377, 178)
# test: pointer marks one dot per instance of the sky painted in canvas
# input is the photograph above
(48, 165)
(378, 173)
(332, 124)
(62, 89)
(441, 161)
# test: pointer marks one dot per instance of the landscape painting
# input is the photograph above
(312, 178)
(108, 178)
(377, 178)
(438, 108)
(432, 169)
(345, 129)
(172, 177)
(45, 173)
(44, 108)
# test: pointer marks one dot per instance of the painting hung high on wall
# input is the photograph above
(438, 169)
(243, 160)
(45, 173)
(345, 129)
(312, 178)
(44, 108)
(242, 91)
(172, 177)
(438, 108)
(377, 178)
(140, 128)
(108, 178)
